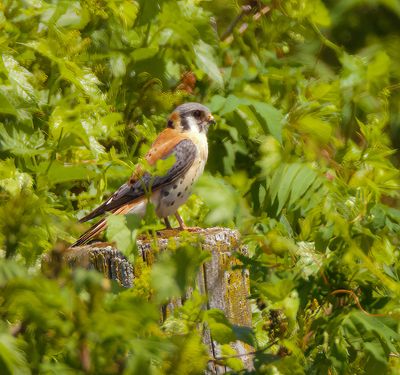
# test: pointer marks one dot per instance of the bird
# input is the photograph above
(185, 137)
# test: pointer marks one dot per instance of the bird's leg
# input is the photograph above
(182, 225)
(167, 223)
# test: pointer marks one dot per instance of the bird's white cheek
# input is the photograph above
(193, 125)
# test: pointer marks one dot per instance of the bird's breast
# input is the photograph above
(200, 140)
(176, 194)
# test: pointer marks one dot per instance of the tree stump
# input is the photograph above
(227, 289)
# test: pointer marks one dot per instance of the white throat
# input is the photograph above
(199, 138)
(193, 126)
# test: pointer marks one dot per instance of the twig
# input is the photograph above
(326, 41)
(255, 352)
(17, 328)
(393, 87)
(245, 10)
(228, 37)
(356, 300)
(54, 153)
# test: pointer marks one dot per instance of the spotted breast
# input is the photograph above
(176, 194)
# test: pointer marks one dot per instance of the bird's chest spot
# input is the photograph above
(177, 193)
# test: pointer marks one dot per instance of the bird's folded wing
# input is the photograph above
(185, 152)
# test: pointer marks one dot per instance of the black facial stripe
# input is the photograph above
(185, 123)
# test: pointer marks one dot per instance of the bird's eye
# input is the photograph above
(197, 114)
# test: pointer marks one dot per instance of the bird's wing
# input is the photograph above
(185, 152)
(162, 146)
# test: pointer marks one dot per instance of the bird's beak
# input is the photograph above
(211, 120)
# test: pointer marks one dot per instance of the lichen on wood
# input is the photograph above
(226, 286)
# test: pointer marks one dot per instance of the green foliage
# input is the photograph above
(303, 162)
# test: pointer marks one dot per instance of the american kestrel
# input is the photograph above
(186, 138)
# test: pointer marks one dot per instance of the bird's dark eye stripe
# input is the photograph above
(185, 124)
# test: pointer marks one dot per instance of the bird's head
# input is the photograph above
(191, 117)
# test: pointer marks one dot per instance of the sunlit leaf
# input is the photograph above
(6, 106)
(12, 359)
(119, 233)
(272, 117)
(205, 58)
(57, 172)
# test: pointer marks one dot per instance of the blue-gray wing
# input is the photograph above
(185, 153)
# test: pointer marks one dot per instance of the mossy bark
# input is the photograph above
(227, 287)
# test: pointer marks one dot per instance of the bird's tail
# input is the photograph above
(90, 233)
(94, 230)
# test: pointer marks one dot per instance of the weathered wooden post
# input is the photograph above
(227, 289)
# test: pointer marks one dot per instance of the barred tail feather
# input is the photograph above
(137, 207)
(90, 233)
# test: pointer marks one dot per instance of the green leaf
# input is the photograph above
(144, 53)
(57, 172)
(118, 65)
(217, 103)
(302, 181)
(148, 10)
(377, 361)
(176, 271)
(83, 78)
(20, 143)
(221, 198)
(20, 78)
(10, 270)
(268, 116)
(244, 334)
(274, 183)
(375, 325)
(119, 233)
(12, 359)
(232, 362)
(127, 12)
(205, 60)
(162, 166)
(74, 17)
(233, 102)
(320, 14)
(379, 68)
(221, 329)
(315, 126)
(6, 106)
(272, 117)
(286, 184)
